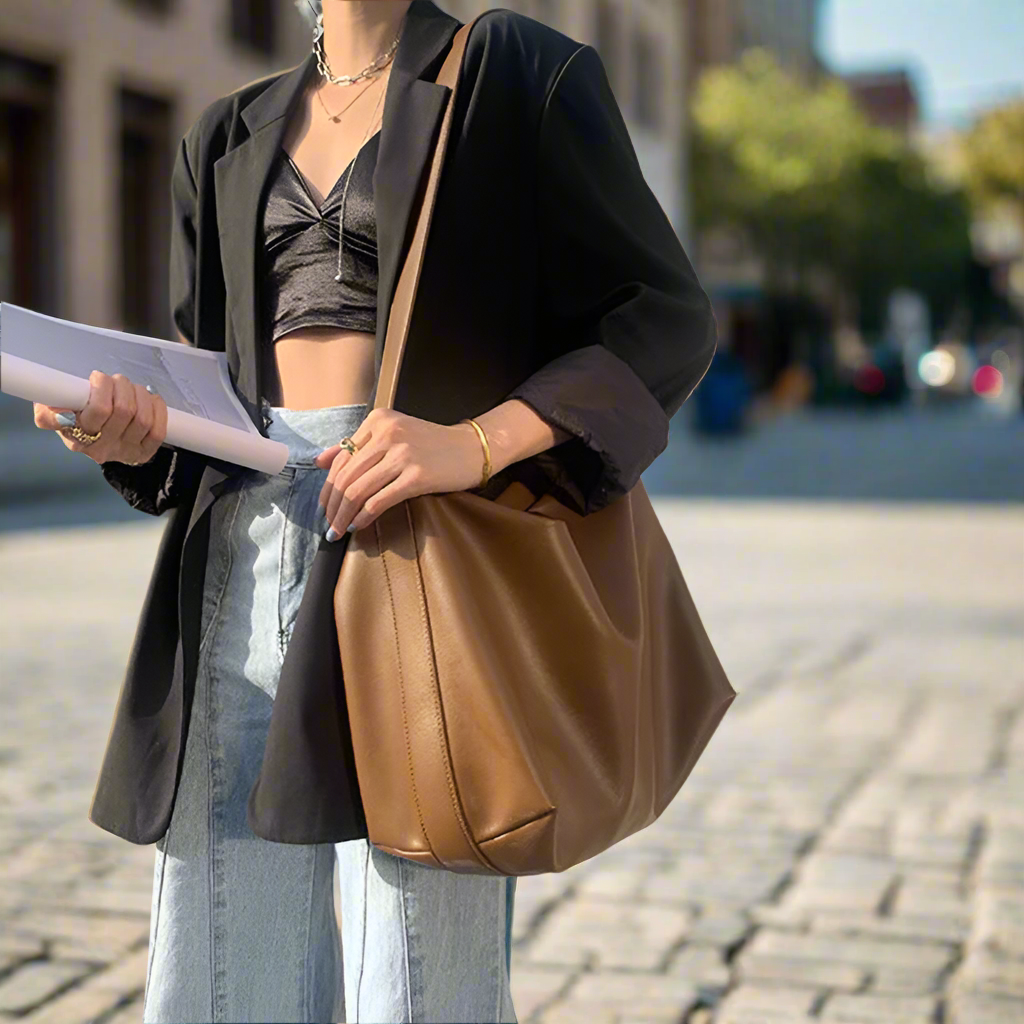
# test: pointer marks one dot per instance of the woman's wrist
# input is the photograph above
(514, 431)
(488, 468)
(474, 451)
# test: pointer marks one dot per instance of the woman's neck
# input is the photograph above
(356, 32)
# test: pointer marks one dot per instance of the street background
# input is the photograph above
(844, 492)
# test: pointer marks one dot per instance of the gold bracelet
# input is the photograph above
(487, 450)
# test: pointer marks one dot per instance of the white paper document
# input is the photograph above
(47, 360)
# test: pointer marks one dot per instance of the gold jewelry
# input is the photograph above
(487, 450)
(324, 66)
(349, 445)
(348, 178)
(330, 116)
(80, 435)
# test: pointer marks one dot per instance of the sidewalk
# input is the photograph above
(850, 848)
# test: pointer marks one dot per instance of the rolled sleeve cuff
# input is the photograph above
(618, 427)
(152, 487)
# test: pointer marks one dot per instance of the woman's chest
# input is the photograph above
(324, 137)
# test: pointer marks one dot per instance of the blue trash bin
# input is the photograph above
(723, 396)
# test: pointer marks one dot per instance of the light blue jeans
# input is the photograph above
(243, 929)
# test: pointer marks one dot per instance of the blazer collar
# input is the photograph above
(280, 96)
(413, 109)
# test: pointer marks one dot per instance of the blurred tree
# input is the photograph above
(993, 157)
(815, 185)
(893, 227)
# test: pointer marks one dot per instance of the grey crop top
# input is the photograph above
(300, 248)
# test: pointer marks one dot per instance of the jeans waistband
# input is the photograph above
(307, 432)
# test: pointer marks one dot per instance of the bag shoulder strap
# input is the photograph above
(408, 279)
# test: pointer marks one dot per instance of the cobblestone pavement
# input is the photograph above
(849, 849)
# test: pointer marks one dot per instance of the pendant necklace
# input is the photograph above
(348, 178)
(371, 69)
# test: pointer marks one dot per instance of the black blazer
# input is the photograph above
(551, 274)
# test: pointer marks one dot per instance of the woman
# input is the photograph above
(555, 308)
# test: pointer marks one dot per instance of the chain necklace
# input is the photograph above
(325, 67)
(371, 69)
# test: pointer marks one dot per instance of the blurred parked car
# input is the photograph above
(998, 380)
(948, 370)
(880, 379)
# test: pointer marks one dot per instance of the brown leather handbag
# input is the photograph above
(526, 686)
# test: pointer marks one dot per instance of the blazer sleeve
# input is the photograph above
(160, 484)
(636, 328)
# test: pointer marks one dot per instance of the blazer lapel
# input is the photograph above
(413, 109)
(240, 179)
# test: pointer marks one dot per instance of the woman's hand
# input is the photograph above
(133, 421)
(399, 457)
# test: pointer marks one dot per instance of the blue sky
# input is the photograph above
(964, 55)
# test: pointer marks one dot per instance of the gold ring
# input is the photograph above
(349, 445)
(80, 435)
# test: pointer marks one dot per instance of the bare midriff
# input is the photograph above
(316, 367)
(319, 367)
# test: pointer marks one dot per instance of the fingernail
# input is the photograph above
(65, 419)
(332, 534)
(351, 528)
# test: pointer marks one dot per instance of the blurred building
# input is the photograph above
(887, 98)
(643, 46)
(94, 97)
(720, 30)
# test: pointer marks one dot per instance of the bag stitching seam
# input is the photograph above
(438, 702)
(401, 687)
